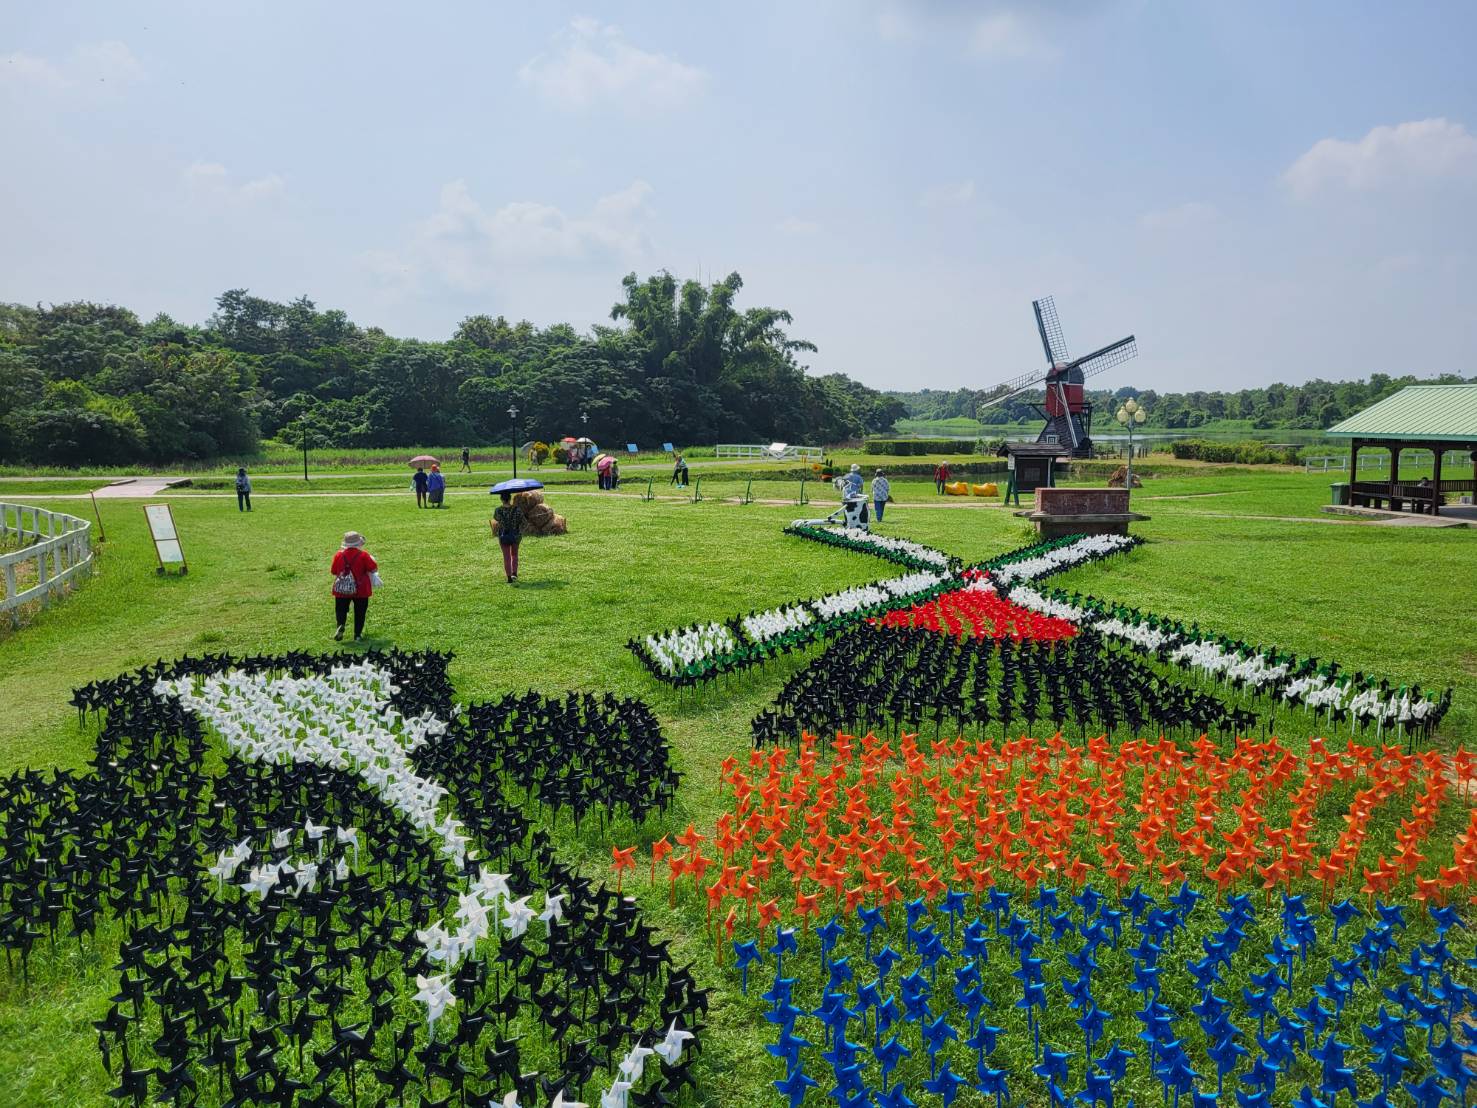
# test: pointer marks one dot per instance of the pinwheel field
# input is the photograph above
(713, 810)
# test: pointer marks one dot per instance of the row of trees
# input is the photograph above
(1315, 405)
(84, 383)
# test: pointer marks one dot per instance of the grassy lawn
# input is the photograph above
(1394, 601)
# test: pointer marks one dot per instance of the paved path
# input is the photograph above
(135, 488)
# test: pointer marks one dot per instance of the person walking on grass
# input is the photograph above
(354, 578)
(881, 494)
(941, 477)
(509, 519)
(466, 460)
(435, 486)
(421, 482)
(243, 490)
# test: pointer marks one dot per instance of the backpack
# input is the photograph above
(344, 584)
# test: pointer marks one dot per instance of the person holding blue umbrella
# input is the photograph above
(508, 520)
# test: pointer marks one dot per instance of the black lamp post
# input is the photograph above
(305, 450)
(513, 412)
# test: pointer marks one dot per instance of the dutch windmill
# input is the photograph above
(1068, 416)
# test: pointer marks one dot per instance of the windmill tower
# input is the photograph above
(1067, 414)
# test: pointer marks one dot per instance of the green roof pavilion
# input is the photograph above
(1438, 418)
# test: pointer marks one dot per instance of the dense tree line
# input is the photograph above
(84, 383)
(1316, 405)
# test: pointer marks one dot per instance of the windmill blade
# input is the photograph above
(1002, 392)
(1114, 354)
(1052, 340)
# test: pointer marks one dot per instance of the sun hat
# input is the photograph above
(353, 539)
(855, 468)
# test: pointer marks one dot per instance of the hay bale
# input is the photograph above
(558, 526)
(538, 516)
(1120, 477)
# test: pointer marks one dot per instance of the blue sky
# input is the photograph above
(1261, 191)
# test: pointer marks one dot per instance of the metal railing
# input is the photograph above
(50, 537)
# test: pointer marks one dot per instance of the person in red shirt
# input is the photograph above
(354, 578)
(941, 477)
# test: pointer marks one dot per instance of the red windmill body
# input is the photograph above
(1067, 413)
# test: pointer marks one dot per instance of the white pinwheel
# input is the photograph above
(670, 1048)
(518, 917)
(634, 1063)
(435, 995)
(553, 909)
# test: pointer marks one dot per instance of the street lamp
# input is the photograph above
(1130, 414)
(513, 412)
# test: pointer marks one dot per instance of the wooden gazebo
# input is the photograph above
(1438, 418)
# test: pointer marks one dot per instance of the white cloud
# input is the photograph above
(211, 180)
(1181, 217)
(794, 225)
(592, 63)
(1408, 153)
(86, 66)
(466, 246)
(951, 195)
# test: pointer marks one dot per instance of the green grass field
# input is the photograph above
(1393, 601)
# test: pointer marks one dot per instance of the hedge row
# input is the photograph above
(1245, 453)
(903, 447)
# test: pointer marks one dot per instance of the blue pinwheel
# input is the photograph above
(976, 943)
(1344, 912)
(794, 1086)
(936, 1035)
(744, 954)
(896, 1097)
(829, 933)
(955, 904)
(1099, 1089)
(884, 960)
(994, 1081)
(871, 919)
(889, 1054)
(1115, 1062)
(1092, 1022)
(1136, 902)
(945, 1084)
(1428, 1093)
(784, 943)
(788, 1047)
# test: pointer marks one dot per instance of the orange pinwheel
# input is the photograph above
(622, 860)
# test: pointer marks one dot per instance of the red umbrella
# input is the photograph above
(424, 460)
(569, 438)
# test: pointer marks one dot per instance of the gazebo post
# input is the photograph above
(1394, 475)
(1354, 471)
(1437, 450)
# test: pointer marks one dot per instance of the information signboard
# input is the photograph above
(166, 538)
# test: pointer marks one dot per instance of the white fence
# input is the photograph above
(774, 452)
(58, 544)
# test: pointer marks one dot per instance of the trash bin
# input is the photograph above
(1340, 492)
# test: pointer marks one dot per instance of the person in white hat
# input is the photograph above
(354, 577)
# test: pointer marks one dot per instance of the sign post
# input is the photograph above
(166, 538)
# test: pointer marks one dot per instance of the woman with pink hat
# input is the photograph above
(354, 577)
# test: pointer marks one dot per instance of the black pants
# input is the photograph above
(341, 611)
(243, 500)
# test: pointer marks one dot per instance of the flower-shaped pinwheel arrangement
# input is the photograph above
(299, 851)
